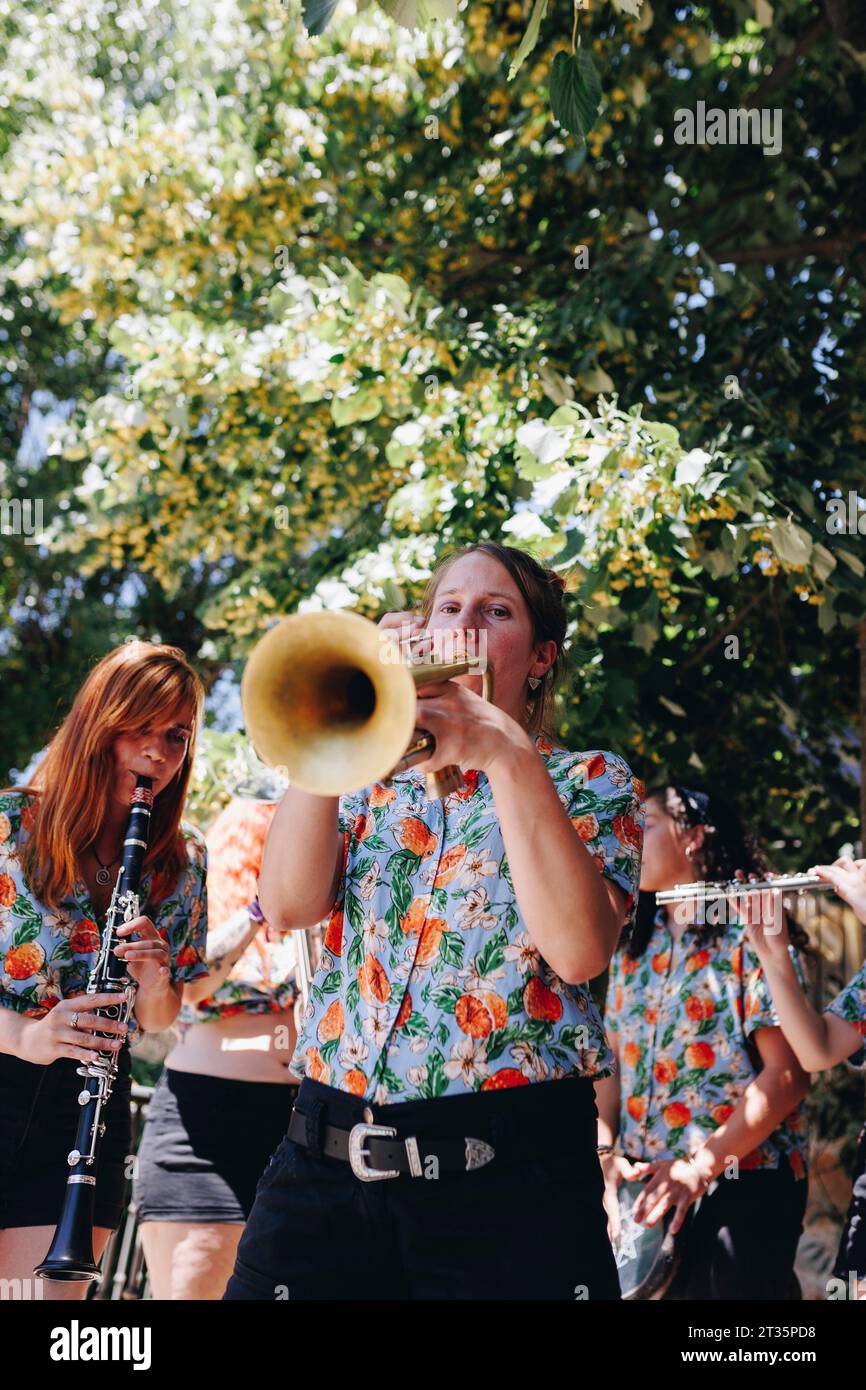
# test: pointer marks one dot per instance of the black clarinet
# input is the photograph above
(71, 1253)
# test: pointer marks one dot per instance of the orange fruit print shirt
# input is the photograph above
(429, 983)
(850, 1004)
(48, 956)
(685, 1019)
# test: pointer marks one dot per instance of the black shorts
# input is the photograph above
(39, 1115)
(742, 1243)
(528, 1225)
(206, 1142)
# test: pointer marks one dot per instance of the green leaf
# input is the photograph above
(575, 91)
(530, 38)
(596, 382)
(691, 466)
(360, 405)
(645, 635)
(718, 563)
(823, 561)
(662, 433)
(791, 543)
(493, 954)
(418, 14)
(852, 561)
(574, 541)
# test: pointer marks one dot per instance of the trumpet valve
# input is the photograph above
(443, 782)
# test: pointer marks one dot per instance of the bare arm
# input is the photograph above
(767, 1100)
(302, 862)
(157, 1007)
(818, 1040)
(607, 1099)
(551, 866)
(225, 946)
(13, 1026)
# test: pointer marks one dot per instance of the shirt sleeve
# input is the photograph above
(235, 845)
(759, 1010)
(613, 998)
(605, 803)
(850, 1005)
(182, 917)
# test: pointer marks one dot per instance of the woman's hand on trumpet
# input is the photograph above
(407, 623)
(470, 731)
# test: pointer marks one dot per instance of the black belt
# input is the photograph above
(366, 1143)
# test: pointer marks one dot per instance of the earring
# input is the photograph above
(534, 682)
(690, 851)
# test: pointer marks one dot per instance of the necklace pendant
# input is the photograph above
(103, 877)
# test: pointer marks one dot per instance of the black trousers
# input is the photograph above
(743, 1239)
(528, 1225)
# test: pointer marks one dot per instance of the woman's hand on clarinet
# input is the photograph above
(615, 1168)
(673, 1183)
(848, 877)
(69, 1030)
(146, 955)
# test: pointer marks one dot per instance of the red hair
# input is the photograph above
(135, 685)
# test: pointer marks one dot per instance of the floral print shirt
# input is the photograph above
(262, 979)
(850, 1004)
(429, 983)
(685, 1015)
(47, 956)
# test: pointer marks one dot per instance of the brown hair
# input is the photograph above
(542, 591)
(728, 845)
(136, 684)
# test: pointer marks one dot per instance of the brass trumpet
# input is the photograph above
(332, 699)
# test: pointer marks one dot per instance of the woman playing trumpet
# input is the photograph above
(450, 1042)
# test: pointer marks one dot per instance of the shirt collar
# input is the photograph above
(411, 775)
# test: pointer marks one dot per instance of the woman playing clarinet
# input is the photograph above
(60, 847)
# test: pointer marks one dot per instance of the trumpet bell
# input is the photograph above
(327, 697)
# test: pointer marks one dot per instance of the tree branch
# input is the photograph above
(781, 70)
(833, 248)
(722, 633)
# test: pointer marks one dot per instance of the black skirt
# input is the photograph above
(39, 1114)
(206, 1142)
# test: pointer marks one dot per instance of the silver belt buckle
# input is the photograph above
(357, 1153)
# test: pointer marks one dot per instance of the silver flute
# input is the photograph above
(785, 883)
